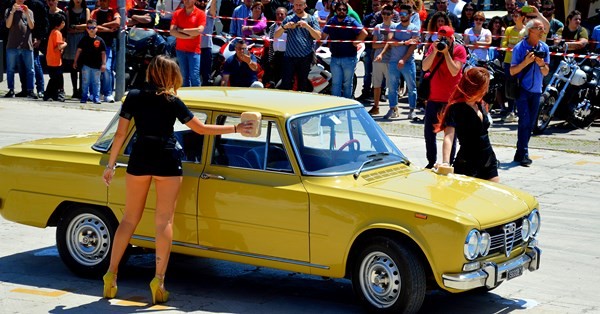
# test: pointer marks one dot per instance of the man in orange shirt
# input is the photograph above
(56, 46)
(187, 25)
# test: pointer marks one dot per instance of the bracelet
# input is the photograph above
(111, 168)
(234, 128)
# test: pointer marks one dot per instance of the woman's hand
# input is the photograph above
(246, 127)
(108, 174)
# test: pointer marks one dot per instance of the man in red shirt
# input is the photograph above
(446, 66)
(187, 25)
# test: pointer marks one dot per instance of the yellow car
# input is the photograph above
(321, 191)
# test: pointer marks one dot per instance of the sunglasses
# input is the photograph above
(403, 14)
(469, 9)
(91, 28)
(479, 20)
(342, 10)
(539, 28)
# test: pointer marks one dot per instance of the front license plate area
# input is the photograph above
(513, 273)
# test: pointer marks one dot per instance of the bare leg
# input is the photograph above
(137, 191)
(167, 190)
(495, 179)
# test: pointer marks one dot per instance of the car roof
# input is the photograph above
(266, 101)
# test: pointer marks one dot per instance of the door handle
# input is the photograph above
(207, 176)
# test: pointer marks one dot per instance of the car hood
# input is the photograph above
(481, 200)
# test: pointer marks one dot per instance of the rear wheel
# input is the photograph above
(84, 240)
(543, 118)
(388, 277)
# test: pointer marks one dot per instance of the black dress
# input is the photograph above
(475, 158)
(154, 151)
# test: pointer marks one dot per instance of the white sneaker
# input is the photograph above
(511, 117)
(392, 113)
(109, 98)
(412, 114)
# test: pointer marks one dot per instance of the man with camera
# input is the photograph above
(530, 59)
(444, 61)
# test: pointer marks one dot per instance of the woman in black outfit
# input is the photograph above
(153, 157)
(466, 116)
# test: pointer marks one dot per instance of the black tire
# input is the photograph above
(543, 117)
(387, 277)
(84, 240)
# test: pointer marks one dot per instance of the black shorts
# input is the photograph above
(153, 156)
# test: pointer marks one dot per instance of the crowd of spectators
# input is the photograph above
(296, 28)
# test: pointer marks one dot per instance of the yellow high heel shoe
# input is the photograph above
(159, 293)
(110, 291)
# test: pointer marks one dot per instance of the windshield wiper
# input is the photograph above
(366, 162)
(383, 154)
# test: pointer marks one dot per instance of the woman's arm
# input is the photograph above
(447, 144)
(260, 26)
(212, 129)
(115, 149)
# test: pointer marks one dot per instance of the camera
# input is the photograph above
(442, 44)
(538, 53)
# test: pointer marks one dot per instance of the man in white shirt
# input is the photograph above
(456, 6)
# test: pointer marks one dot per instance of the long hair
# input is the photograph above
(473, 85)
(163, 73)
(432, 27)
(72, 4)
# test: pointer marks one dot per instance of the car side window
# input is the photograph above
(265, 152)
(188, 141)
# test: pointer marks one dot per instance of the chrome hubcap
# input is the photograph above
(88, 239)
(380, 279)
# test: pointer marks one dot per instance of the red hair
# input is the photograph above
(471, 88)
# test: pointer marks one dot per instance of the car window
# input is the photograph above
(265, 152)
(189, 142)
(336, 142)
(105, 140)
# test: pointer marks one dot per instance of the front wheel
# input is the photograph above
(543, 118)
(388, 277)
(84, 240)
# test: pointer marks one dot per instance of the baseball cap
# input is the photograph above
(446, 31)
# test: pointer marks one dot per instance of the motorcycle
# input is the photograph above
(142, 45)
(497, 78)
(573, 94)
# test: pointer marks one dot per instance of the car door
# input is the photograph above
(184, 223)
(251, 201)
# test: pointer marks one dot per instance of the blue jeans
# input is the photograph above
(13, 58)
(189, 63)
(342, 70)
(409, 73)
(39, 72)
(90, 79)
(107, 77)
(528, 105)
(368, 62)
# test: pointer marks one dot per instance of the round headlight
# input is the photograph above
(525, 229)
(534, 221)
(472, 245)
(484, 244)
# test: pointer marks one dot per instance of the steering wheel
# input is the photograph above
(348, 142)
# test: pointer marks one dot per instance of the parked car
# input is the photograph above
(322, 191)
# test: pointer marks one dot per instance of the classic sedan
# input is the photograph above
(322, 191)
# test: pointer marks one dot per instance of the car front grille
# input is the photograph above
(505, 238)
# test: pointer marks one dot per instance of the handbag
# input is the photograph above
(425, 85)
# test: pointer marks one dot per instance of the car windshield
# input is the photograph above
(341, 142)
(105, 140)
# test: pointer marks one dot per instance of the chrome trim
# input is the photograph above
(492, 274)
(264, 257)
(510, 230)
(207, 176)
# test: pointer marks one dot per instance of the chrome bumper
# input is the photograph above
(491, 274)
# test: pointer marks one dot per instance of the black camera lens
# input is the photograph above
(442, 44)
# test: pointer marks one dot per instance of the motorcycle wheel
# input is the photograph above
(543, 118)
